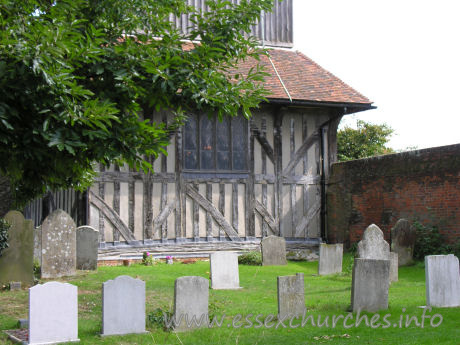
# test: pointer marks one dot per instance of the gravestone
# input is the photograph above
(123, 306)
(273, 251)
(191, 301)
(373, 245)
(17, 261)
(442, 281)
(291, 296)
(53, 313)
(38, 244)
(87, 246)
(370, 283)
(330, 258)
(58, 249)
(224, 270)
(403, 237)
(394, 267)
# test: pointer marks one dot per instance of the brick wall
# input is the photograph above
(422, 185)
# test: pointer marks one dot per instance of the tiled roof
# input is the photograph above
(303, 78)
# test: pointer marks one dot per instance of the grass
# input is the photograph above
(325, 296)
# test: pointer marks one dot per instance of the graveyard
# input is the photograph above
(325, 296)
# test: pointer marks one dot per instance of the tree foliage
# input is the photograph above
(365, 141)
(80, 79)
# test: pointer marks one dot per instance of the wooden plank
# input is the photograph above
(111, 216)
(131, 205)
(305, 164)
(303, 224)
(180, 199)
(249, 189)
(164, 191)
(133, 176)
(161, 219)
(218, 217)
(208, 214)
(221, 207)
(235, 206)
(116, 202)
(267, 148)
(268, 219)
(277, 128)
(101, 216)
(196, 215)
(147, 203)
(263, 128)
(293, 199)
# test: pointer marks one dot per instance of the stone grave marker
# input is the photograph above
(330, 258)
(442, 280)
(370, 283)
(373, 245)
(53, 313)
(87, 246)
(394, 276)
(224, 270)
(403, 237)
(58, 248)
(123, 306)
(291, 296)
(191, 301)
(17, 261)
(273, 251)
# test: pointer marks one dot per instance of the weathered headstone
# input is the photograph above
(291, 296)
(330, 258)
(224, 270)
(191, 301)
(53, 313)
(373, 245)
(38, 244)
(58, 245)
(17, 261)
(403, 237)
(442, 281)
(370, 283)
(394, 276)
(87, 246)
(273, 251)
(15, 286)
(123, 306)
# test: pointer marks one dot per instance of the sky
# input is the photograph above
(404, 55)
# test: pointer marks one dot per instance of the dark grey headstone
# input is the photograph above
(191, 301)
(123, 306)
(403, 236)
(58, 245)
(17, 261)
(273, 251)
(370, 283)
(87, 246)
(291, 296)
(373, 245)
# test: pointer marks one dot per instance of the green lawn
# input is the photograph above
(324, 296)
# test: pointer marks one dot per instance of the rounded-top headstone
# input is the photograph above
(273, 251)
(403, 236)
(87, 247)
(58, 249)
(16, 262)
(373, 245)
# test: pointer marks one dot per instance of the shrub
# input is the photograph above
(429, 242)
(250, 258)
(156, 318)
(37, 269)
(147, 259)
(4, 227)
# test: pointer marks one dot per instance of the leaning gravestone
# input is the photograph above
(373, 245)
(87, 246)
(224, 270)
(370, 283)
(17, 261)
(58, 249)
(273, 251)
(291, 296)
(403, 237)
(393, 267)
(330, 258)
(191, 301)
(53, 313)
(442, 281)
(123, 306)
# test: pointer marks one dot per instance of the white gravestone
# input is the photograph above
(224, 270)
(442, 281)
(330, 258)
(191, 302)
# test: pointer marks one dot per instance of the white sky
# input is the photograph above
(404, 55)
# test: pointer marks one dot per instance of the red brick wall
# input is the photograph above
(422, 185)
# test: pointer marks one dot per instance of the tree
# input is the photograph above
(80, 79)
(365, 141)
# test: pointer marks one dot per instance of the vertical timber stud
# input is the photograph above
(264, 173)
(147, 209)
(131, 203)
(116, 203)
(164, 190)
(293, 185)
(208, 215)
(323, 150)
(101, 216)
(305, 172)
(278, 121)
(250, 196)
(196, 216)
(221, 208)
(179, 188)
(235, 206)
